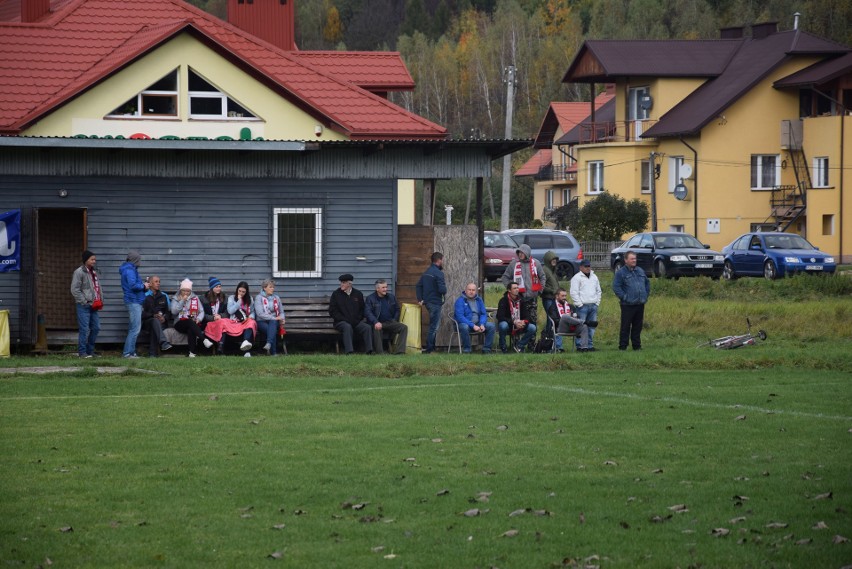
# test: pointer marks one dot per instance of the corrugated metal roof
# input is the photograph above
(818, 73)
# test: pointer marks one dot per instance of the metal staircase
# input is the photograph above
(789, 203)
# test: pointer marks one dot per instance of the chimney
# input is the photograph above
(763, 30)
(271, 20)
(34, 10)
(796, 21)
(732, 33)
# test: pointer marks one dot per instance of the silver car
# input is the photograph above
(562, 243)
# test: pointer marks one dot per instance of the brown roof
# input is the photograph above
(818, 73)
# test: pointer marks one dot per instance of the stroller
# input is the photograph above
(731, 342)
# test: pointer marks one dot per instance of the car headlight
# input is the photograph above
(791, 259)
(678, 258)
(493, 261)
(828, 260)
(718, 257)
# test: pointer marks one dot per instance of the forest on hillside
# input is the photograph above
(458, 50)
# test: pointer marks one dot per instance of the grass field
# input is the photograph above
(675, 456)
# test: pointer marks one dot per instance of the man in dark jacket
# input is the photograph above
(632, 287)
(382, 313)
(155, 316)
(513, 316)
(346, 308)
(431, 289)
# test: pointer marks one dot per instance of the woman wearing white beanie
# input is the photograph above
(189, 313)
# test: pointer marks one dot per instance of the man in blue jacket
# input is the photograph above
(632, 287)
(382, 313)
(471, 316)
(431, 289)
(134, 295)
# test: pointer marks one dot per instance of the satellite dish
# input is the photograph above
(680, 192)
(646, 102)
(685, 171)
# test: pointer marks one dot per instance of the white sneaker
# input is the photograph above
(191, 355)
(245, 346)
(267, 347)
(247, 355)
(207, 343)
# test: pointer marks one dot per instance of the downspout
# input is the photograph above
(695, 186)
(842, 166)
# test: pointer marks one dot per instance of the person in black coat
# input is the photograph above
(155, 317)
(514, 316)
(346, 308)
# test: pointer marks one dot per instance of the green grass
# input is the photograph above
(366, 462)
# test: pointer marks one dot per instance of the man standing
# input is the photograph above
(531, 278)
(86, 290)
(548, 292)
(431, 289)
(565, 318)
(471, 316)
(155, 312)
(382, 312)
(346, 308)
(632, 288)
(586, 297)
(513, 316)
(134, 295)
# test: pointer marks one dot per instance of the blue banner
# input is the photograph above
(10, 241)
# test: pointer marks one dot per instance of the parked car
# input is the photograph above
(773, 255)
(670, 255)
(560, 242)
(499, 250)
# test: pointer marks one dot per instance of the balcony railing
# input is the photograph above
(557, 173)
(619, 131)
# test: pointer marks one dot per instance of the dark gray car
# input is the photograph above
(562, 243)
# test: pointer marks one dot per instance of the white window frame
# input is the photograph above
(646, 178)
(594, 176)
(566, 196)
(756, 172)
(548, 198)
(223, 103)
(675, 163)
(677, 228)
(140, 97)
(821, 172)
(318, 243)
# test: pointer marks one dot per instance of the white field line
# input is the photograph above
(690, 402)
(561, 388)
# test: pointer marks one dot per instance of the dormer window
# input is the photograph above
(207, 102)
(158, 100)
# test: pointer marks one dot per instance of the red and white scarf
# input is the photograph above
(189, 311)
(519, 277)
(564, 308)
(515, 308)
(276, 309)
(95, 283)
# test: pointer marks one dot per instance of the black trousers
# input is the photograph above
(364, 331)
(632, 317)
(154, 329)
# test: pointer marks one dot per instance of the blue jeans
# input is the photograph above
(134, 315)
(464, 332)
(588, 313)
(434, 321)
(90, 324)
(271, 329)
(529, 334)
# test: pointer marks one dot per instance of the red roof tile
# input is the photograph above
(565, 116)
(539, 160)
(374, 71)
(44, 65)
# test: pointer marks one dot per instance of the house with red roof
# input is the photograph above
(214, 148)
(553, 167)
(724, 136)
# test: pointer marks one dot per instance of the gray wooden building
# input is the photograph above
(303, 212)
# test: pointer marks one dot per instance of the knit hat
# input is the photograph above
(87, 255)
(213, 282)
(186, 284)
(134, 257)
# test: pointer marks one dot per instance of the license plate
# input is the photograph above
(704, 265)
(813, 267)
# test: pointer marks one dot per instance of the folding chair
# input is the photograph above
(571, 333)
(457, 334)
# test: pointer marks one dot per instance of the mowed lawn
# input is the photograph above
(433, 461)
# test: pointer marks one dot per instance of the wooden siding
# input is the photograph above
(197, 228)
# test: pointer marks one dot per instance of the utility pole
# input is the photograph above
(653, 183)
(509, 79)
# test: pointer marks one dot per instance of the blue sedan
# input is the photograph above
(774, 255)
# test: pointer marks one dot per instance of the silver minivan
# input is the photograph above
(562, 243)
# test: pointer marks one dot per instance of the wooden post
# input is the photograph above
(428, 200)
(480, 226)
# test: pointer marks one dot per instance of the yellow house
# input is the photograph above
(722, 137)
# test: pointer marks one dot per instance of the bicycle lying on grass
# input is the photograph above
(731, 342)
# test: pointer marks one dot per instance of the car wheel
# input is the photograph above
(564, 270)
(728, 271)
(617, 265)
(660, 269)
(769, 271)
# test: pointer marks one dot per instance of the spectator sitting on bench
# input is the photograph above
(241, 321)
(270, 315)
(155, 317)
(186, 308)
(382, 312)
(217, 321)
(346, 308)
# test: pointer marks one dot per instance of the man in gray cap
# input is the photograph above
(346, 308)
(134, 295)
(586, 297)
